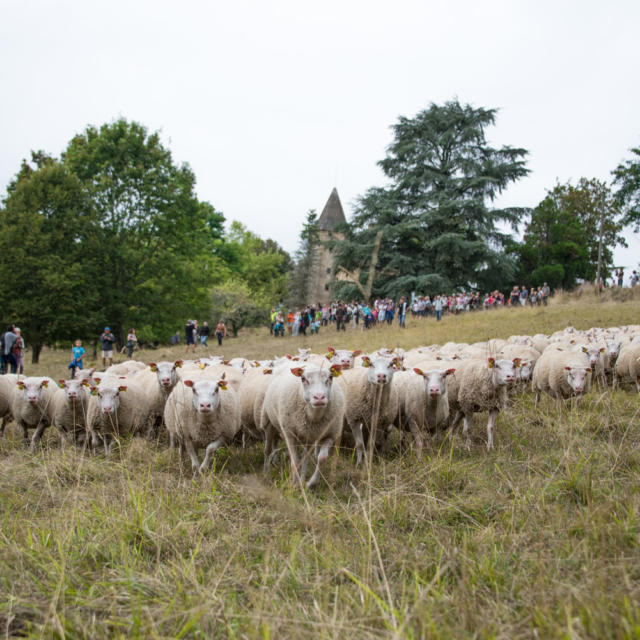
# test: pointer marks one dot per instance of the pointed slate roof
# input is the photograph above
(332, 214)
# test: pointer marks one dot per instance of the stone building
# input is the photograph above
(331, 216)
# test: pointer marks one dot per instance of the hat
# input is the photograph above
(107, 329)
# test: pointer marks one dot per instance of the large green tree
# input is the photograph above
(301, 276)
(438, 230)
(45, 286)
(627, 179)
(149, 249)
(561, 239)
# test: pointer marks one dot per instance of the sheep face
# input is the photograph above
(379, 370)
(108, 397)
(435, 380)
(316, 384)
(74, 389)
(206, 394)
(342, 357)
(32, 389)
(525, 370)
(166, 372)
(577, 378)
(504, 371)
(593, 355)
(613, 350)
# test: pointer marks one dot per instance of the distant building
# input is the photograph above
(332, 215)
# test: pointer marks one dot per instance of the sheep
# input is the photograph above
(423, 402)
(31, 405)
(69, 409)
(371, 400)
(305, 409)
(7, 384)
(612, 351)
(125, 368)
(117, 408)
(561, 374)
(595, 356)
(202, 413)
(540, 342)
(528, 356)
(482, 386)
(343, 357)
(627, 367)
(251, 398)
(157, 382)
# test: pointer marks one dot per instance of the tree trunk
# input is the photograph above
(35, 353)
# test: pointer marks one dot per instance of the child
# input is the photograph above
(77, 353)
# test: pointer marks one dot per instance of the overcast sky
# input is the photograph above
(275, 103)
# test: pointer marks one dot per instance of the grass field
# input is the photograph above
(539, 538)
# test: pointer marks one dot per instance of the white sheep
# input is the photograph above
(561, 374)
(31, 405)
(627, 367)
(251, 395)
(69, 409)
(202, 413)
(306, 410)
(7, 384)
(157, 382)
(371, 401)
(117, 408)
(481, 385)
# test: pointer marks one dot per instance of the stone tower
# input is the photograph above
(331, 216)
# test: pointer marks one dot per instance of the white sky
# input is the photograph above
(274, 103)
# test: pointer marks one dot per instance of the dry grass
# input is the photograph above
(539, 538)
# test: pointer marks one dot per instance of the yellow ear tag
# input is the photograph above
(222, 384)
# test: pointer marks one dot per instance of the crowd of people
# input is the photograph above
(387, 311)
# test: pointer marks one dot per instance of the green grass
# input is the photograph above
(539, 538)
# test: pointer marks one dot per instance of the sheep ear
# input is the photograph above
(153, 366)
(517, 361)
(297, 371)
(20, 384)
(329, 355)
(331, 350)
(449, 372)
(357, 352)
(61, 383)
(568, 368)
(188, 383)
(122, 387)
(366, 361)
(492, 362)
(602, 350)
(85, 383)
(222, 384)
(202, 365)
(44, 383)
(584, 349)
(94, 391)
(224, 376)
(588, 369)
(177, 363)
(225, 362)
(418, 371)
(266, 372)
(336, 370)
(97, 380)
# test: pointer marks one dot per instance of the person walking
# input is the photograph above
(17, 350)
(437, 307)
(402, 310)
(132, 341)
(8, 359)
(341, 313)
(205, 330)
(546, 292)
(221, 332)
(189, 337)
(106, 340)
(77, 354)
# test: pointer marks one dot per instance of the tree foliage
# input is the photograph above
(301, 279)
(627, 178)
(560, 242)
(438, 231)
(233, 302)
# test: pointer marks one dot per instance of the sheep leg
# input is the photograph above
(323, 454)
(468, 420)
(37, 435)
(356, 431)
(295, 466)
(493, 415)
(456, 419)
(417, 436)
(306, 454)
(25, 431)
(3, 424)
(211, 448)
(535, 405)
(188, 445)
(171, 440)
(269, 438)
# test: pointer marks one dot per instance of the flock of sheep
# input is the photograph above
(312, 402)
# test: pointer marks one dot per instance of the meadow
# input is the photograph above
(538, 538)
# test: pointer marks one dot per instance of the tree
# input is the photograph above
(560, 242)
(627, 177)
(233, 302)
(438, 233)
(44, 285)
(150, 241)
(305, 261)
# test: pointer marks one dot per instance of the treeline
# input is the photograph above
(112, 233)
(433, 229)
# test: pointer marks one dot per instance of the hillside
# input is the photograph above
(537, 538)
